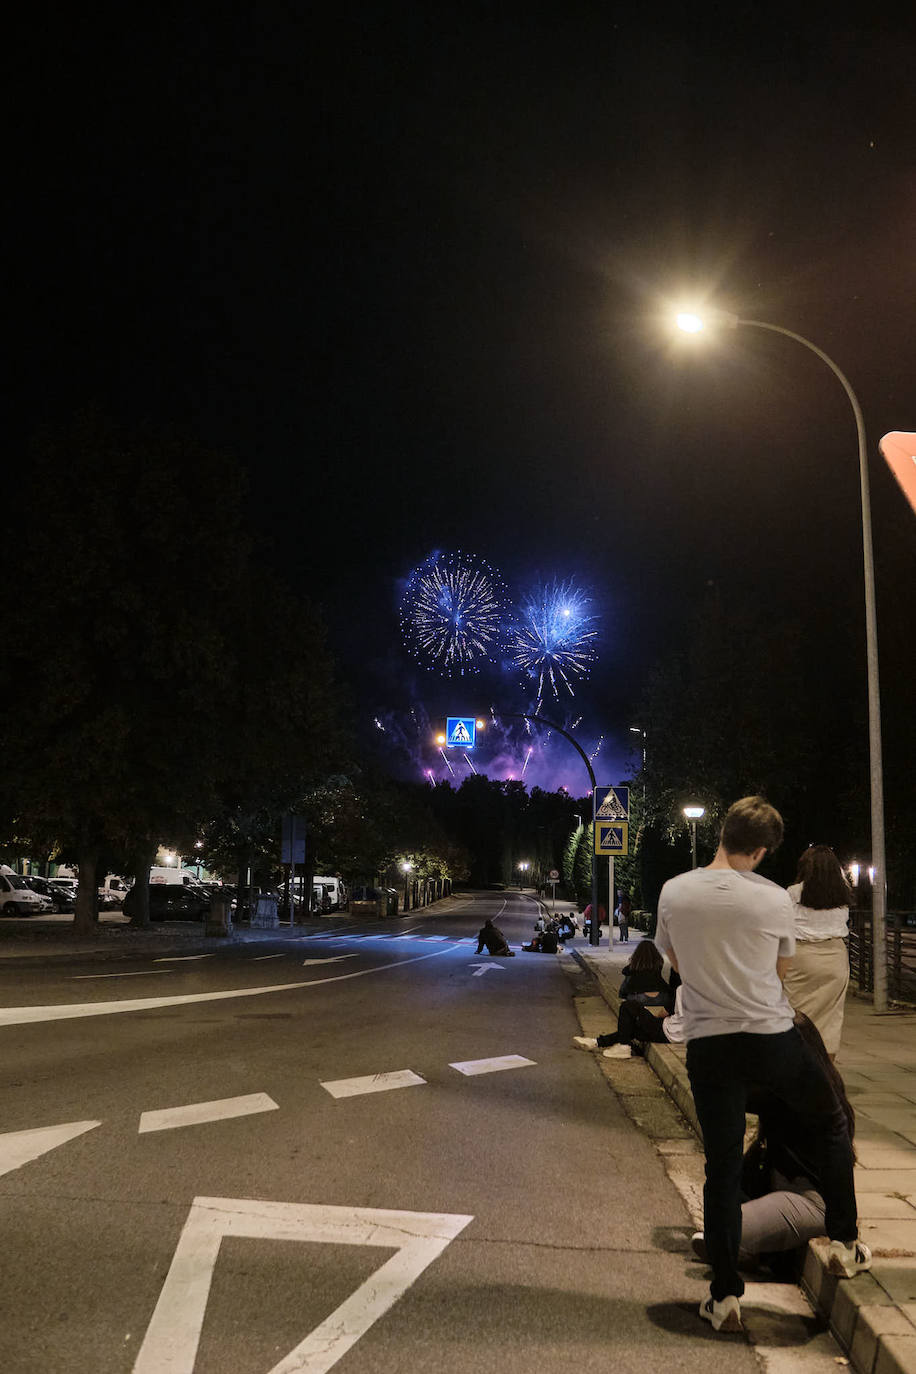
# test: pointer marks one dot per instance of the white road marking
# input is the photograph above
(19, 1147)
(23, 1016)
(485, 968)
(261, 957)
(329, 959)
(471, 1067)
(196, 1113)
(182, 958)
(374, 1083)
(173, 1334)
(144, 973)
(436, 937)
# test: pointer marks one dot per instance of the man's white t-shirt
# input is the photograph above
(726, 929)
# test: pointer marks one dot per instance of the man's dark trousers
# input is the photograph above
(722, 1069)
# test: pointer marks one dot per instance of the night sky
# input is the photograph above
(412, 265)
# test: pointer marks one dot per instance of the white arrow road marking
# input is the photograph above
(374, 1083)
(199, 1112)
(485, 968)
(19, 1147)
(173, 1335)
(331, 959)
(471, 1067)
(144, 973)
(182, 958)
(23, 1016)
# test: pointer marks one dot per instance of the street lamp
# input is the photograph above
(694, 814)
(405, 869)
(693, 323)
(522, 870)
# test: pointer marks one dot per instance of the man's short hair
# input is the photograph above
(751, 823)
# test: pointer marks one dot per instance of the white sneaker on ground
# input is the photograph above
(617, 1052)
(724, 1315)
(698, 1246)
(585, 1042)
(848, 1260)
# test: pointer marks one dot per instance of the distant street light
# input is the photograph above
(693, 323)
(522, 869)
(694, 814)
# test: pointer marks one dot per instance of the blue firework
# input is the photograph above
(452, 613)
(554, 638)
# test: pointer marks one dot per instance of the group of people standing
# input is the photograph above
(759, 978)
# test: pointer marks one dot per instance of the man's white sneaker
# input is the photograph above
(585, 1042)
(724, 1315)
(617, 1052)
(848, 1260)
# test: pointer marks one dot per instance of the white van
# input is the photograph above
(16, 897)
(167, 874)
(336, 890)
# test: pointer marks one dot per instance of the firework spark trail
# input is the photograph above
(447, 764)
(554, 638)
(470, 765)
(527, 757)
(452, 613)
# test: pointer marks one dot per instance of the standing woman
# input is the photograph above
(818, 976)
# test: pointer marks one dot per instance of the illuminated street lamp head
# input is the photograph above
(406, 866)
(440, 739)
(694, 813)
(690, 323)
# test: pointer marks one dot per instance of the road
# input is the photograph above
(368, 1151)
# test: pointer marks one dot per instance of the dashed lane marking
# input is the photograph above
(329, 959)
(472, 1067)
(181, 958)
(173, 1335)
(374, 1083)
(197, 1113)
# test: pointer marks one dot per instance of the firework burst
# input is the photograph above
(554, 640)
(452, 612)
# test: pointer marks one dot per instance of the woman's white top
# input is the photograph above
(818, 925)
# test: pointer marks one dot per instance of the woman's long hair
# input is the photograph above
(824, 884)
(646, 958)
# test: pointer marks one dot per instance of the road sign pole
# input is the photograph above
(594, 934)
(610, 901)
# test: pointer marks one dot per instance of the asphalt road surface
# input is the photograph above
(367, 1151)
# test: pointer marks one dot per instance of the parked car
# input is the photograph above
(16, 897)
(177, 902)
(59, 897)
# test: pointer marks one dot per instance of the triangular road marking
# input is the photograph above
(329, 959)
(19, 1147)
(173, 1334)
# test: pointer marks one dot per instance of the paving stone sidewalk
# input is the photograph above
(873, 1316)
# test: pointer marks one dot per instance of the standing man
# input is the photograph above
(730, 935)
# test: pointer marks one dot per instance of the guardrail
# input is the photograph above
(900, 942)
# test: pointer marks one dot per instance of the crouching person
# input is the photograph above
(491, 937)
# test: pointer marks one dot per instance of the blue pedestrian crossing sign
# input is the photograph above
(612, 804)
(460, 732)
(612, 840)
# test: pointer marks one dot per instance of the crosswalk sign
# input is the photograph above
(460, 732)
(612, 803)
(612, 840)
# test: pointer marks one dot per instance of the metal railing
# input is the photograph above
(900, 943)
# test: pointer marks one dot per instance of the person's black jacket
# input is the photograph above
(647, 987)
(493, 938)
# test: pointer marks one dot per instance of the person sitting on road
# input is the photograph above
(784, 1208)
(492, 937)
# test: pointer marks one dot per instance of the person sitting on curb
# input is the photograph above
(496, 943)
(639, 1025)
(784, 1208)
(643, 990)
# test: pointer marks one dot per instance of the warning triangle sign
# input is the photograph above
(610, 807)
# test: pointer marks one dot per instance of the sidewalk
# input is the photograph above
(873, 1316)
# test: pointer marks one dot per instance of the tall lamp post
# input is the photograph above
(406, 866)
(522, 870)
(694, 814)
(692, 324)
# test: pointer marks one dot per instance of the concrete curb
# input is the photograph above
(875, 1330)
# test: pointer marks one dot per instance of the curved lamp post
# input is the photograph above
(692, 324)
